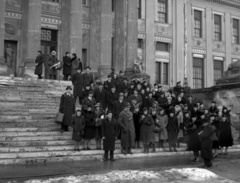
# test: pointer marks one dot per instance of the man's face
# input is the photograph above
(121, 97)
(87, 70)
(109, 115)
(113, 89)
(171, 114)
(213, 104)
(68, 55)
(100, 87)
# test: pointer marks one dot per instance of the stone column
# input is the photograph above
(101, 35)
(3, 66)
(76, 27)
(150, 43)
(126, 34)
(33, 36)
(132, 33)
(228, 39)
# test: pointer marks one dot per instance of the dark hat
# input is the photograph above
(74, 54)
(161, 109)
(125, 91)
(145, 109)
(155, 84)
(69, 88)
(153, 109)
(89, 105)
(109, 111)
(109, 76)
(195, 105)
(121, 72)
(212, 115)
(39, 51)
(161, 93)
(87, 68)
(171, 111)
(99, 83)
(127, 105)
(113, 86)
(190, 96)
(91, 92)
(213, 102)
(98, 105)
(178, 82)
(78, 110)
(185, 105)
(67, 52)
(159, 86)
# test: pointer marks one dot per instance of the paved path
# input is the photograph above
(226, 166)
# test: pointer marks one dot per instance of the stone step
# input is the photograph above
(28, 112)
(39, 129)
(37, 143)
(33, 134)
(35, 138)
(29, 121)
(28, 125)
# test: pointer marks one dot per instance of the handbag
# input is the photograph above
(59, 117)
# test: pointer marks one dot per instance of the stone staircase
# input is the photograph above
(28, 132)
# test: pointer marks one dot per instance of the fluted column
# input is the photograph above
(34, 29)
(3, 66)
(76, 27)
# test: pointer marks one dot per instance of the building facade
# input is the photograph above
(174, 39)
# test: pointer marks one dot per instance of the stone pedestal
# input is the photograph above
(101, 35)
(3, 66)
(33, 36)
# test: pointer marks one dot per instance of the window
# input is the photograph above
(139, 9)
(197, 23)
(160, 46)
(162, 11)
(235, 31)
(140, 43)
(198, 74)
(113, 5)
(49, 35)
(218, 69)
(162, 73)
(217, 27)
(84, 2)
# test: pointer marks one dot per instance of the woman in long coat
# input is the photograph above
(136, 118)
(77, 80)
(173, 130)
(162, 121)
(126, 124)
(78, 125)
(98, 116)
(225, 134)
(146, 129)
(67, 66)
(109, 133)
(39, 65)
(67, 107)
(90, 128)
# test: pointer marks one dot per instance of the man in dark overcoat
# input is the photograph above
(77, 80)
(118, 106)
(89, 101)
(206, 143)
(88, 76)
(39, 64)
(67, 107)
(112, 96)
(76, 63)
(126, 124)
(52, 68)
(67, 66)
(100, 96)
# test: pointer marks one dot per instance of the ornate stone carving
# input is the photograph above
(13, 15)
(163, 29)
(51, 8)
(141, 25)
(198, 43)
(86, 14)
(10, 29)
(219, 46)
(14, 5)
(235, 49)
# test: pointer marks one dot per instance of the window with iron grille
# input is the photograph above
(197, 23)
(48, 35)
(235, 31)
(160, 46)
(198, 74)
(162, 11)
(140, 43)
(139, 9)
(217, 27)
(218, 69)
(162, 71)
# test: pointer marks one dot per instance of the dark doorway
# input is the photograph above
(48, 44)
(84, 58)
(10, 54)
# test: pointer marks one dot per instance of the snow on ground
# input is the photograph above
(184, 175)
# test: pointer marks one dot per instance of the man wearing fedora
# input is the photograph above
(67, 66)
(67, 107)
(126, 124)
(52, 61)
(118, 106)
(39, 65)
(78, 82)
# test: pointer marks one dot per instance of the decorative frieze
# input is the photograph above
(163, 29)
(236, 49)
(86, 26)
(141, 25)
(219, 54)
(141, 36)
(50, 20)
(163, 39)
(219, 46)
(199, 51)
(13, 15)
(198, 43)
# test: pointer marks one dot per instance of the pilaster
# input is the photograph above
(228, 28)
(150, 43)
(3, 66)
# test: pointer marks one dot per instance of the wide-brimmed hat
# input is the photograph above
(68, 88)
(97, 105)
(109, 111)
(121, 94)
(91, 92)
(39, 51)
(127, 105)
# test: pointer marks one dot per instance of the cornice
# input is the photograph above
(230, 3)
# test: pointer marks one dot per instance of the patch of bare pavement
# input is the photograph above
(177, 169)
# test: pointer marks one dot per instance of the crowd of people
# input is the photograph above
(134, 111)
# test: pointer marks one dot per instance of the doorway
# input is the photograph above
(10, 55)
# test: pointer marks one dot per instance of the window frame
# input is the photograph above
(216, 69)
(166, 44)
(217, 34)
(200, 29)
(202, 73)
(237, 30)
(162, 77)
(159, 12)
